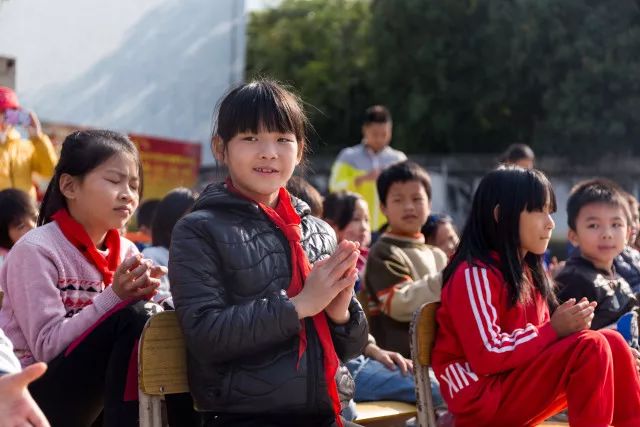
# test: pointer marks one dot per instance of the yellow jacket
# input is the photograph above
(359, 160)
(19, 158)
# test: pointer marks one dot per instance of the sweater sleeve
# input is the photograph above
(389, 277)
(474, 296)
(31, 285)
(216, 330)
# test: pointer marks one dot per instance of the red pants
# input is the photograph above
(591, 372)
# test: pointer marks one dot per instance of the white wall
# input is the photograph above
(149, 66)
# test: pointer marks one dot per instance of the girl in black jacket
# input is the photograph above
(264, 297)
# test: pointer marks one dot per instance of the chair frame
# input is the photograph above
(423, 334)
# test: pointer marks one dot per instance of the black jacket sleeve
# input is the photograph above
(572, 283)
(214, 329)
(350, 339)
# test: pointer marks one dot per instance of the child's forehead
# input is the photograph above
(406, 187)
(601, 211)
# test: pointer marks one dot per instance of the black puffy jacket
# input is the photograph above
(229, 270)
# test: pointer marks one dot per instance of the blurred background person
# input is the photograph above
(20, 157)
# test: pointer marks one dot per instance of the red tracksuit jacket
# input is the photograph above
(480, 339)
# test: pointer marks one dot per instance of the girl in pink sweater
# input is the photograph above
(76, 292)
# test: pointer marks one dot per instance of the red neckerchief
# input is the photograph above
(285, 217)
(77, 235)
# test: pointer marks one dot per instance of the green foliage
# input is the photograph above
(321, 48)
(463, 75)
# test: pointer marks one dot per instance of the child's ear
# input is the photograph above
(496, 213)
(573, 237)
(217, 148)
(383, 209)
(68, 186)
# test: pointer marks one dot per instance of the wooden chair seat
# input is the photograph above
(162, 370)
(385, 410)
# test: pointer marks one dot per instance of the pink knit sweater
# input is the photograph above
(52, 293)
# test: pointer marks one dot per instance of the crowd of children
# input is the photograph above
(290, 309)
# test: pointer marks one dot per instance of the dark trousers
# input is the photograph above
(270, 420)
(91, 378)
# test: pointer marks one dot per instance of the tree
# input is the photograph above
(321, 48)
(463, 75)
(478, 75)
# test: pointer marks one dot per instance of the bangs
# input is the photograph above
(540, 193)
(261, 106)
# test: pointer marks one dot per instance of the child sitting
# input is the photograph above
(402, 271)
(76, 292)
(598, 219)
(348, 214)
(501, 358)
(440, 232)
(263, 292)
(18, 215)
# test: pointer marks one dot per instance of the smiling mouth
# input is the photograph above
(265, 170)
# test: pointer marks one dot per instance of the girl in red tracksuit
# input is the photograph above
(501, 359)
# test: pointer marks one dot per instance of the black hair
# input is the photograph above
(171, 208)
(303, 190)
(402, 172)
(15, 205)
(430, 227)
(512, 190)
(261, 104)
(597, 190)
(82, 152)
(376, 114)
(517, 152)
(146, 212)
(339, 208)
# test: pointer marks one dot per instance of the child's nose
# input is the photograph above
(268, 151)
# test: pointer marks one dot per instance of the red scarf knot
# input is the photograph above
(77, 235)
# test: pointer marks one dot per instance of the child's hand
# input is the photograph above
(389, 359)
(157, 271)
(370, 176)
(327, 279)
(573, 317)
(17, 407)
(133, 279)
(338, 308)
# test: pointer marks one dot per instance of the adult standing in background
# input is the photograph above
(357, 168)
(19, 157)
(520, 155)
